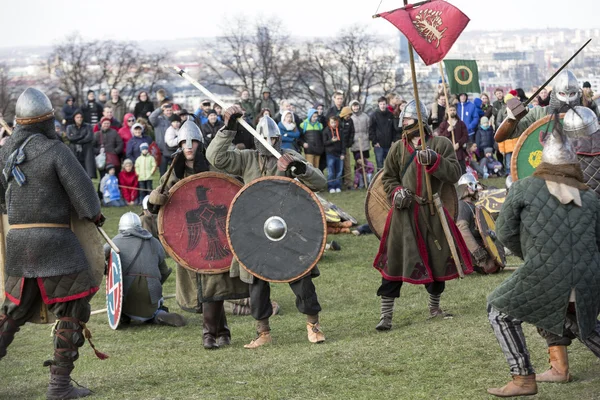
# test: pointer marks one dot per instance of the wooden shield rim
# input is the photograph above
(117, 320)
(513, 160)
(367, 198)
(479, 213)
(449, 186)
(315, 199)
(161, 213)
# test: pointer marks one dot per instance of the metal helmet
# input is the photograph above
(267, 128)
(558, 149)
(410, 111)
(145, 202)
(509, 182)
(129, 221)
(566, 87)
(188, 132)
(33, 106)
(467, 181)
(580, 122)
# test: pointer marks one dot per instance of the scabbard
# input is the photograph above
(440, 210)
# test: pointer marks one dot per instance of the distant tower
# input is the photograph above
(403, 55)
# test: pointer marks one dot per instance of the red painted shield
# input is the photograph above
(192, 224)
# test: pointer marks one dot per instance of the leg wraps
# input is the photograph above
(510, 336)
(68, 337)
(387, 306)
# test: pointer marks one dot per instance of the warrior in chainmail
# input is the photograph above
(581, 124)
(253, 164)
(199, 293)
(41, 183)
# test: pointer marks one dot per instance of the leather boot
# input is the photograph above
(223, 332)
(559, 366)
(8, 328)
(521, 385)
(264, 335)
(60, 385)
(169, 319)
(211, 318)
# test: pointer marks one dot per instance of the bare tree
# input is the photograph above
(77, 66)
(10, 88)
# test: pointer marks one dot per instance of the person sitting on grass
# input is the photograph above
(490, 166)
(109, 187)
(359, 171)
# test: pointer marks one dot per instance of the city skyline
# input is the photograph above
(126, 20)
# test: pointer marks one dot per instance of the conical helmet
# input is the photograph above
(188, 132)
(566, 87)
(580, 122)
(558, 149)
(128, 221)
(267, 128)
(410, 111)
(33, 106)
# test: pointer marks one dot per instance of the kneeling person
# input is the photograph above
(144, 272)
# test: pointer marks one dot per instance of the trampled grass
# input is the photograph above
(418, 359)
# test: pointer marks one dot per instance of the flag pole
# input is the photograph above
(447, 101)
(420, 123)
(413, 5)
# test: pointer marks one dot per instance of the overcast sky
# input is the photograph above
(43, 22)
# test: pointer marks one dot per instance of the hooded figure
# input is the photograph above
(289, 131)
(312, 137)
(68, 111)
(556, 289)
(266, 101)
(81, 142)
(362, 123)
(125, 131)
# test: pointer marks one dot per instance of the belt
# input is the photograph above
(40, 225)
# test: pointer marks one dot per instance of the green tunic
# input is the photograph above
(533, 115)
(415, 249)
(250, 165)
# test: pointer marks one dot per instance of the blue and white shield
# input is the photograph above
(114, 290)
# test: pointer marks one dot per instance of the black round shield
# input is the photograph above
(276, 229)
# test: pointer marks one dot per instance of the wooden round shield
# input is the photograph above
(527, 154)
(487, 230)
(191, 226)
(377, 205)
(491, 200)
(114, 290)
(276, 229)
(90, 240)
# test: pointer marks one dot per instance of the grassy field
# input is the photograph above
(418, 359)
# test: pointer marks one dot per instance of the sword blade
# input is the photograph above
(449, 238)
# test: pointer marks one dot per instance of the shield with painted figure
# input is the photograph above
(276, 229)
(191, 226)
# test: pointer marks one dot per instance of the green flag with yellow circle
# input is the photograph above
(463, 76)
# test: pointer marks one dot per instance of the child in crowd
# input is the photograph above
(490, 166)
(359, 170)
(129, 183)
(484, 137)
(109, 186)
(145, 167)
(471, 163)
(289, 131)
(335, 149)
(172, 132)
(312, 137)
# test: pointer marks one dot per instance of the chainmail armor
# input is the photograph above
(56, 184)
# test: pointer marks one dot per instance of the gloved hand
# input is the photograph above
(99, 220)
(480, 255)
(287, 162)
(427, 157)
(230, 117)
(403, 199)
(157, 198)
(516, 110)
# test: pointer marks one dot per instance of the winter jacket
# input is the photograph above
(336, 148)
(109, 186)
(112, 142)
(119, 108)
(125, 131)
(485, 138)
(209, 131)
(142, 108)
(312, 134)
(361, 122)
(144, 166)
(68, 112)
(461, 137)
(160, 124)
(496, 107)
(288, 136)
(171, 139)
(130, 180)
(333, 111)
(347, 127)
(133, 146)
(92, 112)
(467, 112)
(268, 103)
(439, 117)
(248, 108)
(81, 141)
(559, 245)
(382, 130)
